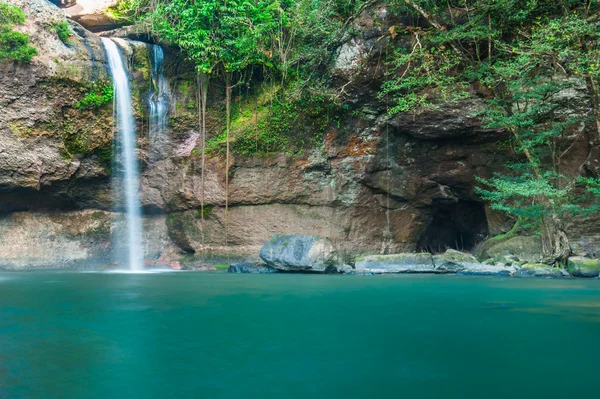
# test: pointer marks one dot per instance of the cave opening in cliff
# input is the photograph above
(457, 226)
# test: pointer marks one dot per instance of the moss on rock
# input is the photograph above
(584, 267)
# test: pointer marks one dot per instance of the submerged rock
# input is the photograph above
(251, 268)
(397, 263)
(584, 267)
(481, 269)
(540, 270)
(300, 253)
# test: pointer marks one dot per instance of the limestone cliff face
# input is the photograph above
(374, 185)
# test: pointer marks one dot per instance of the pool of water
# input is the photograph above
(196, 335)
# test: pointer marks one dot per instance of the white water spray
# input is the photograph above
(126, 143)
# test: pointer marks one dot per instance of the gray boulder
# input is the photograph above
(453, 261)
(251, 268)
(397, 263)
(540, 270)
(584, 267)
(300, 253)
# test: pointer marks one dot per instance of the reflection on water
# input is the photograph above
(173, 334)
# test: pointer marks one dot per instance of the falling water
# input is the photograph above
(126, 143)
(159, 105)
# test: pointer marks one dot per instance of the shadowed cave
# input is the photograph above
(458, 226)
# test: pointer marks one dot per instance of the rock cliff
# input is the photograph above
(374, 184)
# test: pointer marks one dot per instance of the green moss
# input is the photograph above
(221, 266)
(100, 93)
(207, 210)
(19, 129)
(62, 29)
(530, 266)
(98, 215)
(585, 267)
(287, 124)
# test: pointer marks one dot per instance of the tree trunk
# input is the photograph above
(228, 90)
(592, 87)
(202, 99)
(555, 243)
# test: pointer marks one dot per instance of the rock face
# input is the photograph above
(583, 267)
(300, 254)
(375, 184)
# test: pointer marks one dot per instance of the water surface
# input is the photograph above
(195, 335)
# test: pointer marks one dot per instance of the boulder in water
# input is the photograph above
(584, 267)
(453, 261)
(481, 269)
(397, 263)
(540, 270)
(300, 253)
(251, 268)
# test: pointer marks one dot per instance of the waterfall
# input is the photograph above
(159, 105)
(126, 144)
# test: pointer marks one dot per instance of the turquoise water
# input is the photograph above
(194, 335)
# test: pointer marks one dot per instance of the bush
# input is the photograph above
(14, 46)
(100, 93)
(62, 29)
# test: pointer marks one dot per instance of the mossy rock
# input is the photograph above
(453, 260)
(584, 267)
(539, 270)
(528, 248)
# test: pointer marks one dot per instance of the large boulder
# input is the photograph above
(584, 267)
(93, 14)
(453, 261)
(528, 248)
(300, 253)
(540, 270)
(397, 263)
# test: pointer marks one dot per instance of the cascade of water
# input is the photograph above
(159, 105)
(126, 144)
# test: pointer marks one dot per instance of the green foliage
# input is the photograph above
(14, 46)
(527, 58)
(62, 29)
(126, 10)
(285, 125)
(101, 92)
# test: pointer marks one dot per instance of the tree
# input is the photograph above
(219, 36)
(526, 56)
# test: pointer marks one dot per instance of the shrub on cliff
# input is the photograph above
(14, 46)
